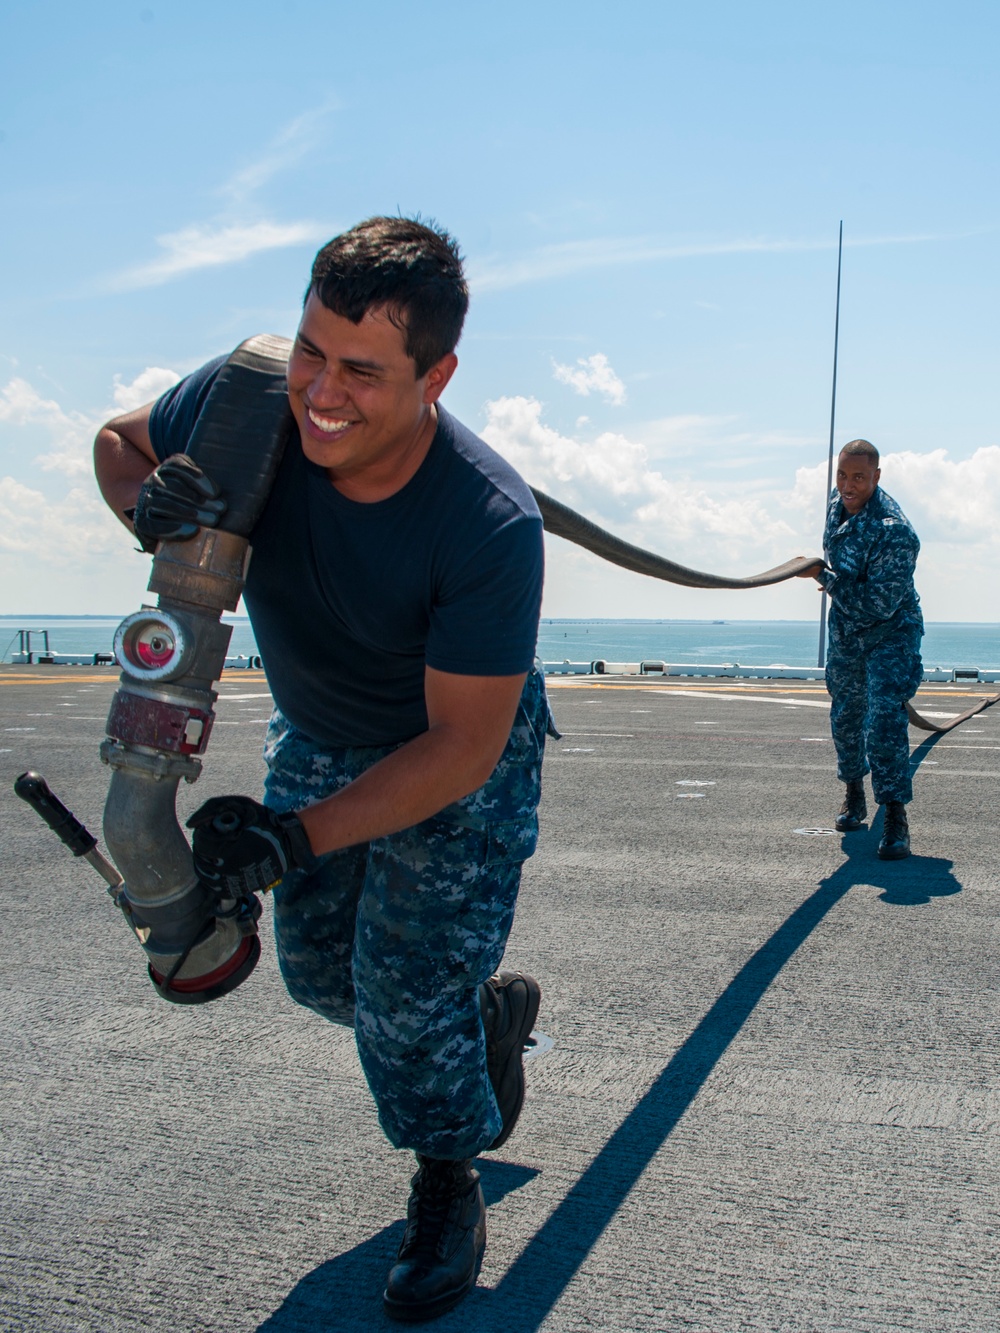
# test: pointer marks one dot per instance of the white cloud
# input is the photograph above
(21, 404)
(232, 236)
(60, 546)
(206, 245)
(286, 149)
(592, 373)
(71, 433)
(612, 480)
(948, 500)
(64, 531)
(147, 386)
(725, 528)
(499, 273)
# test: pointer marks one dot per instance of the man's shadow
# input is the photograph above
(345, 1292)
(923, 877)
(913, 882)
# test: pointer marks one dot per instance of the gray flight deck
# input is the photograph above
(772, 1102)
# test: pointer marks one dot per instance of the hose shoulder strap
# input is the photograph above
(244, 426)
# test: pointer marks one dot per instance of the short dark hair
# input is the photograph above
(411, 269)
(864, 447)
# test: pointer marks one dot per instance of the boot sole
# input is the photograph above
(517, 1058)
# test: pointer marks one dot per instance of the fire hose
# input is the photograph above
(930, 724)
(562, 521)
(200, 941)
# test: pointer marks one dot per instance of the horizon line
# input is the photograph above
(549, 620)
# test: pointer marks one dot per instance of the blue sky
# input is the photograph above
(648, 199)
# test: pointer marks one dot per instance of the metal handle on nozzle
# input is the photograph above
(33, 788)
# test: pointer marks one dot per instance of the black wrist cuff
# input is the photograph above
(147, 545)
(298, 841)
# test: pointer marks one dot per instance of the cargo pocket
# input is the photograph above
(511, 840)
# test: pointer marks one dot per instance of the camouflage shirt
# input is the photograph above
(871, 557)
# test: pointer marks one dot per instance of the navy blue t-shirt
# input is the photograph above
(350, 601)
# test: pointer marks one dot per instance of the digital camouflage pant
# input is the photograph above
(868, 692)
(394, 937)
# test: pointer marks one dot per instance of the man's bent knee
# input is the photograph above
(331, 1002)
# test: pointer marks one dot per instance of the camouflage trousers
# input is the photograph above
(868, 692)
(394, 936)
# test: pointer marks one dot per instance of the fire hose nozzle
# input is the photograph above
(226, 935)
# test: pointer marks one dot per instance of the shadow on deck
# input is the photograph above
(345, 1292)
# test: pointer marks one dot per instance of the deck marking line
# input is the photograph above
(620, 735)
(751, 698)
(646, 683)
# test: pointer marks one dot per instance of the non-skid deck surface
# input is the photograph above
(772, 1102)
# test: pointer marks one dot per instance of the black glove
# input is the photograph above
(174, 502)
(241, 847)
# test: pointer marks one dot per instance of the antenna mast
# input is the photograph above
(821, 659)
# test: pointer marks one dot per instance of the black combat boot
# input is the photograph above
(509, 1004)
(854, 811)
(443, 1244)
(895, 842)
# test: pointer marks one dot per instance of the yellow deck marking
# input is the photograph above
(251, 678)
(664, 685)
(55, 680)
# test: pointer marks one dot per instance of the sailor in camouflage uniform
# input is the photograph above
(873, 663)
(394, 591)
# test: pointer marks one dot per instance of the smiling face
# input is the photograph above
(362, 413)
(857, 477)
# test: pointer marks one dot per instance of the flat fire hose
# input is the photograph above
(925, 723)
(562, 521)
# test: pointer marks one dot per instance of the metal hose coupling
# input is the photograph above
(199, 943)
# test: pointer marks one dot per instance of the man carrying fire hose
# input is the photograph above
(873, 665)
(394, 591)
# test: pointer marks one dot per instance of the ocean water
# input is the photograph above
(748, 642)
(94, 634)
